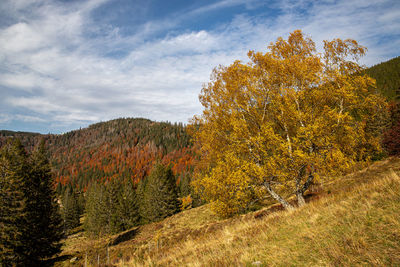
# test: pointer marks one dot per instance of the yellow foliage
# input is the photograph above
(289, 116)
(186, 202)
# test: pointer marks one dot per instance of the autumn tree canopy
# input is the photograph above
(286, 118)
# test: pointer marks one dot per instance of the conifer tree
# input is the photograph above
(70, 210)
(140, 200)
(127, 208)
(96, 215)
(184, 185)
(13, 168)
(43, 230)
(80, 195)
(112, 202)
(112, 208)
(160, 197)
(391, 137)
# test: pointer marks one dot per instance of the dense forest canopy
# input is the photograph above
(387, 76)
(116, 149)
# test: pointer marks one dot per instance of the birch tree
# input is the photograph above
(285, 119)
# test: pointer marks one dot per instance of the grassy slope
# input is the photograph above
(354, 220)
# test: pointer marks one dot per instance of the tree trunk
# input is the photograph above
(300, 199)
(300, 191)
(277, 197)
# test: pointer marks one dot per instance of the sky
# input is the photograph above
(65, 64)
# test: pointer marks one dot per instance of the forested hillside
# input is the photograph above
(116, 149)
(27, 139)
(387, 76)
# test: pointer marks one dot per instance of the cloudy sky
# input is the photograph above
(67, 64)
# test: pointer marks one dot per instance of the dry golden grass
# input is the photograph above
(352, 221)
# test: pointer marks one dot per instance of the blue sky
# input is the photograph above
(67, 64)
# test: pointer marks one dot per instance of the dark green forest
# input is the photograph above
(99, 171)
(30, 222)
(387, 76)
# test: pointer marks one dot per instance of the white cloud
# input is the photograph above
(222, 4)
(37, 104)
(52, 68)
(27, 118)
(5, 118)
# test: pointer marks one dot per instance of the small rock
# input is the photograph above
(74, 259)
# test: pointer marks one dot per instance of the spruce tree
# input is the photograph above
(391, 137)
(43, 230)
(96, 212)
(13, 169)
(80, 195)
(140, 200)
(160, 197)
(112, 208)
(127, 209)
(70, 210)
(184, 185)
(29, 218)
(112, 202)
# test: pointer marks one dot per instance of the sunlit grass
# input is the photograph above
(353, 221)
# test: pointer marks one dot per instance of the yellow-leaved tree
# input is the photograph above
(290, 116)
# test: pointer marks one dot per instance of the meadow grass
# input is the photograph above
(352, 221)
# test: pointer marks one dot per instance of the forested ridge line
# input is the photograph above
(120, 148)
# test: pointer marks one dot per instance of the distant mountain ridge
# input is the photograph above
(116, 149)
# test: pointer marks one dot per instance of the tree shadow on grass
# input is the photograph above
(52, 261)
(125, 236)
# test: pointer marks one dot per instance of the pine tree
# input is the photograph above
(184, 185)
(142, 204)
(160, 197)
(81, 201)
(186, 189)
(13, 169)
(70, 210)
(96, 215)
(43, 230)
(30, 222)
(391, 137)
(112, 202)
(112, 208)
(127, 209)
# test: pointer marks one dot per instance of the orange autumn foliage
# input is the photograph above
(282, 121)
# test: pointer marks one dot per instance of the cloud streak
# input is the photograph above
(61, 69)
